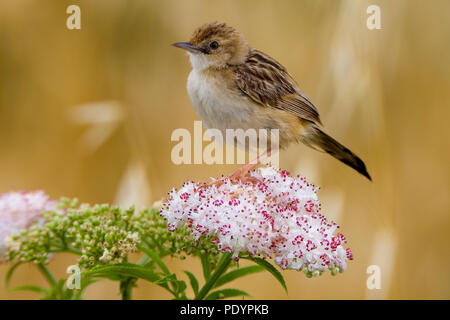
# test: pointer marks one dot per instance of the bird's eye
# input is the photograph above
(214, 45)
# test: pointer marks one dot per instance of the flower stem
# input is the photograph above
(47, 274)
(67, 250)
(73, 250)
(126, 286)
(222, 266)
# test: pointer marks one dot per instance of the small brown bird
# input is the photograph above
(233, 86)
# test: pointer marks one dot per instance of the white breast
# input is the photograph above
(217, 106)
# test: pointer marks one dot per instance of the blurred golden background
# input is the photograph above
(89, 113)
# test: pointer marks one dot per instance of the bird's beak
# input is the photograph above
(187, 46)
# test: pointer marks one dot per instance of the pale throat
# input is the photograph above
(201, 62)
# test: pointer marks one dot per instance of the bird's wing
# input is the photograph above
(268, 83)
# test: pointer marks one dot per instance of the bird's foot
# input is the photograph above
(241, 175)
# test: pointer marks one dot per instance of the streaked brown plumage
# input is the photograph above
(234, 86)
(268, 83)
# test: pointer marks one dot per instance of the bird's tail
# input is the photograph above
(318, 139)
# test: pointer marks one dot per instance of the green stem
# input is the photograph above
(47, 274)
(126, 287)
(222, 266)
(144, 260)
(68, 250)
(72, 250)
(57, 247)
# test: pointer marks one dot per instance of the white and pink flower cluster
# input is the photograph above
(277, 216)
(18, 210)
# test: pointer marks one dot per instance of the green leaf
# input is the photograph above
(193, 280)
(124, 270)
(170, 277)
(145, 261)
(182, 297)
(10, 272)
(269, 267)
(206, 266)
(47, 274)
(177, 287)
(222, 266)
(129, 270)
(154, 256)
(60, 292)
(226, 293)
(237, 273)
(31, 288)
(180, 286)
(51, 294)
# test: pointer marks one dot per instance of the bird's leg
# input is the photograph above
(243, 171)
(242, 174)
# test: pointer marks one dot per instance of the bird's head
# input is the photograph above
(215, 45)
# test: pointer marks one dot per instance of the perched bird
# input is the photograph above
(234, 86)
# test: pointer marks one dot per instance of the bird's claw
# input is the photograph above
(247, 178)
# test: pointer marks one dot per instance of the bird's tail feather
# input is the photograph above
(318, 139)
